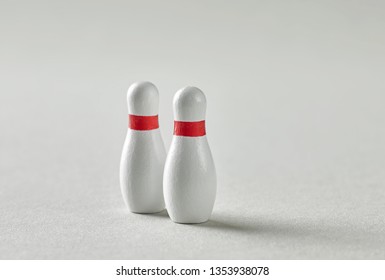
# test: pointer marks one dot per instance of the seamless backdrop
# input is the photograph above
(295, 120)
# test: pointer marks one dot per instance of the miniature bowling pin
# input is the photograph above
(143, 156)
(189, 179)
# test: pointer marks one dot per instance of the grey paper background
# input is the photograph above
(296, 123)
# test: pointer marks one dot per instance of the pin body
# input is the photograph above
(143, 155)
(189, 174)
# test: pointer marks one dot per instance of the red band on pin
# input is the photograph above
(190, 129)
(143, 122)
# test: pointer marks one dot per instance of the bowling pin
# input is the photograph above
(143, 156)
(189, 179)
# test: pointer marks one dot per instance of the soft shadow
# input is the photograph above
(162, 214)
(220, 225)
(262, 226)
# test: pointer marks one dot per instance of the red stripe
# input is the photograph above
(143, 122)
(190, 129)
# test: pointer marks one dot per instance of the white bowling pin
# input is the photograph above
(189, 179)
(143, 156)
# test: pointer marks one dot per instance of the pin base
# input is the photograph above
(190, 222)
(147, 212)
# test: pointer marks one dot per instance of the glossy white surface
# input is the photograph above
(189, 104)
(141, 171)
(143, 155)
(190, 181)
(143, 99)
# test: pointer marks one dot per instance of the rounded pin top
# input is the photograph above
(143, 99)
(189, 105)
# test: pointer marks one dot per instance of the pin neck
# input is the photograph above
(143, 122)
(189, 129)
